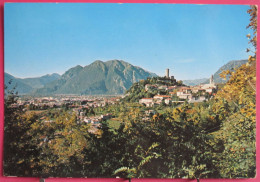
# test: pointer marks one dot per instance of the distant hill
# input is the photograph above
(111, 77)
(12, 82)
(194, 82)
(27, 85)
(231, 65)
(40, 82)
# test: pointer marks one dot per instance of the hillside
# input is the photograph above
(13, 82)
(27, 85)
(231, 65)
(40, 82)
(111, 77)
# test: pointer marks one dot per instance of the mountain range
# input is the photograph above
(28, 85)
(111, 77)
(231, 65)
(106, 78)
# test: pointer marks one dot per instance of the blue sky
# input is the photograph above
(193, 41)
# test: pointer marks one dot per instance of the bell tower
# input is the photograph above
(167, 75)
(211, 81)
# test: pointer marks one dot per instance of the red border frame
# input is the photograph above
(23, 179)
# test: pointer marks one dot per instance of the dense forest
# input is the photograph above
(213, 139)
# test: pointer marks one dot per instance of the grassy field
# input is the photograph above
(114, 123)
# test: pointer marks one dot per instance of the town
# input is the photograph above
(178, 94)
(83, 106)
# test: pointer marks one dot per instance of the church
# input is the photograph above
(211, 85)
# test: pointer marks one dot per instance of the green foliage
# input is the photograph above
(18, 151)
(145, 157)
(137, 90)
(239, 117)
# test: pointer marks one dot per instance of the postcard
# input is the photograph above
(112, 90)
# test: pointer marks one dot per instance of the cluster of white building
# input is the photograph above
(189, 93)
(70, 101)
(156, 100)
(96, 119)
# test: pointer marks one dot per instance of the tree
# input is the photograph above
(61, 143)
(238, 129)
(145, 157)
(18, 151)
